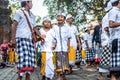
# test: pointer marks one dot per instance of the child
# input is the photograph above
(4, 49)
(47, 68)
(89, 49)
(73, 42)
(63, 36)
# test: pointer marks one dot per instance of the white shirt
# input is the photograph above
(88, 38)
(104, 39)
(23, 30)
(83, 44)
(105, 22)
(50, 35)
(62, 35)
(114, 15)
(74, 33)
(104, 36)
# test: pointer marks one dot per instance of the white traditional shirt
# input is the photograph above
(114, 15)
(74, 33)
(23, 30)
(62, 35)
(50, 36)
(83, 44)
(104, 35)
(88, 37)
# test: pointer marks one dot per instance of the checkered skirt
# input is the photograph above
(105, 57)
(115, 59)
(78, 56)
(90, 54)
(26, 53)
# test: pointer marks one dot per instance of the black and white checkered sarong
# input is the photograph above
(26, 53)
(90, 54)
(115, 59)
(105, 57)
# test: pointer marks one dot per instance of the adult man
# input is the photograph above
(73, 41)
(114, 23)
(97, 33)
(21, 35)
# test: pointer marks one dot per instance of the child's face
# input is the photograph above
(60, 19)
(47, 24)
(69, 20)
(106, 29)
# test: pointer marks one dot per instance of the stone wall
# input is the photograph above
(5, 21)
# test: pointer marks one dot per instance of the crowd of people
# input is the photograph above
(58, 42)
(7, 54)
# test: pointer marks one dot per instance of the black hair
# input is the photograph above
(106, 3)
(115, 3)
(23, 3)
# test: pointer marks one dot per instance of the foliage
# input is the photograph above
(14, 5)
(84, 11)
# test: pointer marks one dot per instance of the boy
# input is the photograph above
(47, 68)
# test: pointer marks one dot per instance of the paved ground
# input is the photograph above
(9, 73)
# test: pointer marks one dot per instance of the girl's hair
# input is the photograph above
(115, 3)
(23, 3)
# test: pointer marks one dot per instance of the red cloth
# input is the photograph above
(26, 69)
(3, 46)
(97, 60)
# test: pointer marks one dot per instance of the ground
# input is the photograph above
(9, 73)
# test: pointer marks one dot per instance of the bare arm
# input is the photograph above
(37, 31)
(39, 34)
(79, 43)
(14, 27)
(114, 24)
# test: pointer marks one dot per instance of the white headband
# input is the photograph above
(46, 18)
(109, 6)
(69, 16)
(63, 14)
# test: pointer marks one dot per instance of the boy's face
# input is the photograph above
(60, 19)
(106, 29)
(69, 20)
(47, 24)
(88, 31)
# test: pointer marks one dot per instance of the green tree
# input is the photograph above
(84, 11)
(14, 5)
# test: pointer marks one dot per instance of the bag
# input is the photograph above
(34, 36)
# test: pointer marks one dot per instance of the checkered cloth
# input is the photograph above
(78, 56)
(115, 59)
(105, 57)
(90, 54)
(26, 53)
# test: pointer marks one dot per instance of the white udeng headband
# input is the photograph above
(69, 16)
(46, 18)
(63, 14)
(109, 6)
